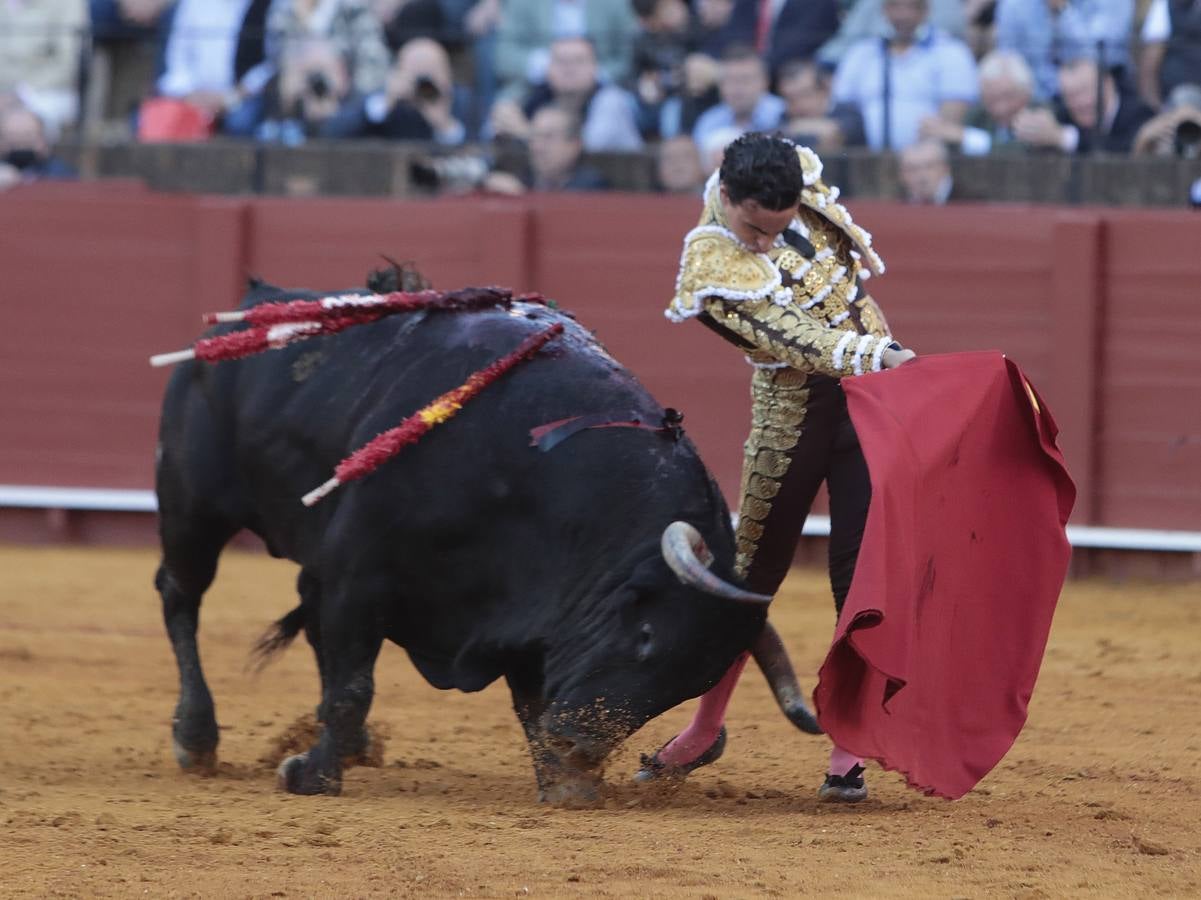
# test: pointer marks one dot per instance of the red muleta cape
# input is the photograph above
(939, 643)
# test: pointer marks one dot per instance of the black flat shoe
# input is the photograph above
(654, 769)
(848, 788)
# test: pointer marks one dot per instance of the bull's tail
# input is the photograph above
(276, 639)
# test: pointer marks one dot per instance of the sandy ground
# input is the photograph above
(1100, 797)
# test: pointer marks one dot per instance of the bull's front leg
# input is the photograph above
(558, 785)
(349, 646)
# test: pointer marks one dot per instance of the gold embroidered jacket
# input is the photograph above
(801, 304)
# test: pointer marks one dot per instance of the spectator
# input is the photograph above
(711, 34)
(679, 113)
(745, 104)
(555, 157)
(128, 37)
(24, 152)
(925, 171)
(528, 27)
(866, 19)
(808, 117)
(979, 17)
(1177, 130)
(418, 102)
(1171, 38)
(678, 166)
(713, 30)
(404, 20)
(1006, 88)
(662, 45)
(1077, 129)
(783, 30)
(349, 25)
(1047, 32)
(40, 46)
(608, 112)
(898, 81)
(214, 54)
(311, 97)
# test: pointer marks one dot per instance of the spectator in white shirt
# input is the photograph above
(202, 48)
(899, 80)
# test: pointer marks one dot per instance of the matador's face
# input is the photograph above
(756, 226)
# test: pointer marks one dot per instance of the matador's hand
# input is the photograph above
(893, 358)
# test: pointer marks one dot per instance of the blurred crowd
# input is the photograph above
(514, 95)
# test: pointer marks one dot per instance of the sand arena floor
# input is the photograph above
(1100, 797)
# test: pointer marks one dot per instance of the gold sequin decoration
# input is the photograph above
(788, 335)
(872, 318)
(761, 487)
(777, 416)
(715, 265)
(787, 259)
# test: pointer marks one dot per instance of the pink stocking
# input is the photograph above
(702, 731)
(842, 762)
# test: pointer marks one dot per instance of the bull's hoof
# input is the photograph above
(296, 776)
(801, 716)
(654, 769)
(195, 762)
(575, 793)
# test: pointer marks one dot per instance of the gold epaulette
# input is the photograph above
(716, 264)
(823, 200)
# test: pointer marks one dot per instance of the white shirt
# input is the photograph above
(568, 18)
(1157, 27)
(201, 47)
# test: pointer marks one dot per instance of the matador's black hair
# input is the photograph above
(763, 168)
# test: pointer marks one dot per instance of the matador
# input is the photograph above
(777, 267)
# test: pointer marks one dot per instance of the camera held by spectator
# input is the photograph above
(418, 103)
(660, 48)
(313, 82)
(458, 173)
(1176, 130)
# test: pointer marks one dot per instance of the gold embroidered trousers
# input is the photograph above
(801, 435)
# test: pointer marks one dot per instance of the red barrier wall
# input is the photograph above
(1097, 305)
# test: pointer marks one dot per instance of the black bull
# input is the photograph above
(482, 556)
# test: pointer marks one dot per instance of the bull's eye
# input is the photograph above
(646, 642)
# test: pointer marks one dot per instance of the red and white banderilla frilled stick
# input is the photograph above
(371, 305)
(250, 341)
(279, 324)
(383, 447)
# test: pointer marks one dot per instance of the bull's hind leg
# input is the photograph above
(185, 573)
(349, 640)
(308, 585)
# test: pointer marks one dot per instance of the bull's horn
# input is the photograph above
(686, 554)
